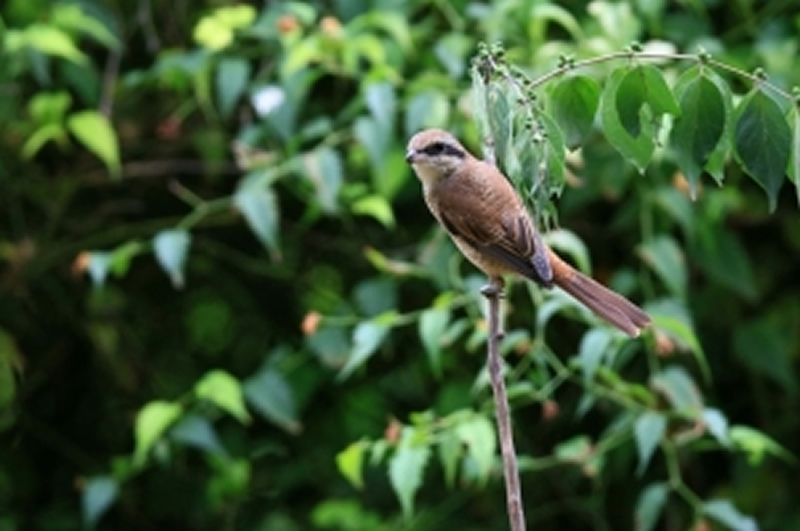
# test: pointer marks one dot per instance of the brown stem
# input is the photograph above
(516, 516)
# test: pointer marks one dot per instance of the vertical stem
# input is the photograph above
(516, 516)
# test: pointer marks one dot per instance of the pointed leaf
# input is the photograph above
(367, 337)
(680, 390)
(593, 348)
(664, 257)
(699, 128)
(232, 77)
(648, 430)
(259, 206)
(324, 169)
(650, 506)
(639, 149)
(224, 391)
(270, 394)
(350, 462)
(477, 435)
(406, 467)
(152, 422)
(575, 101)
(794, 168)
(171, 248)
(197, 431)
(432, 324)
(98, 495)
(94, 131)
(763, 139)
(640, 86)
(725, 513)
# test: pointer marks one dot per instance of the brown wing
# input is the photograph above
(489, 216)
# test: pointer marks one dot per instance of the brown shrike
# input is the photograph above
(488, 222)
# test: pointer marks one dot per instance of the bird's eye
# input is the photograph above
(436, 148)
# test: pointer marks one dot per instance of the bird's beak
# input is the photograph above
(411, 156)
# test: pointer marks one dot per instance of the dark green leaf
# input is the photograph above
(639, 149)
(650, 505)
(197, 431)
(98, 495)
(680, 389)
(699, 128)
(640, 86)
(233, 75)
(766, 348)
(721, 254)
(648, 430)
(794, 168)
(270, 394)
(762, 140)
(666, 259)
(575, 101)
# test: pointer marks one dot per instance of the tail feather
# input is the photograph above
(607, 304)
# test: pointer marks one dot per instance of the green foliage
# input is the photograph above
(321, 365)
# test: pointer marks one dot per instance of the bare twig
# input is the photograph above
(516, 516)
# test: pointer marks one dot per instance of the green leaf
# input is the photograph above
(794, 167)
(697, 132)
(225, 392)
(568, 242)
(432, 324)
(94, 131)
(575, 101)
(765, 347)
(451, 50)
(725, 513)
(171, 248)
(648, 430)
(680, 390)
(450, 451)
(382, 102)
(757, 445)
(367, 337)
(350, 463)
(650, 505)
(99, 493)
(478, 436)
(50, 41)
(717, 425)
(672, 317)
(640, 86)
(197, 431)
(49, 107)
(270, 394)
(377, 207)
(233, 74)
(665, 258)
(152, 422)
(406, 467)
(593, 348)
(259, 206)
(762, 142)
(426, 109)
(721, 254)
(639, 149)
(324, 169)
(73, 18)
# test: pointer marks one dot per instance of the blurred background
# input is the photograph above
(215, 265)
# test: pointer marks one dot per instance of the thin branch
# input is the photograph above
(516, 516)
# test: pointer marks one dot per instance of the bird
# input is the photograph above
(489, 223)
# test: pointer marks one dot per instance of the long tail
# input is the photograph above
(608, 304)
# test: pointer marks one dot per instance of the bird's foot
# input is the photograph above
(494, 289)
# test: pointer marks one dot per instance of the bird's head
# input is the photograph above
(435, 154)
